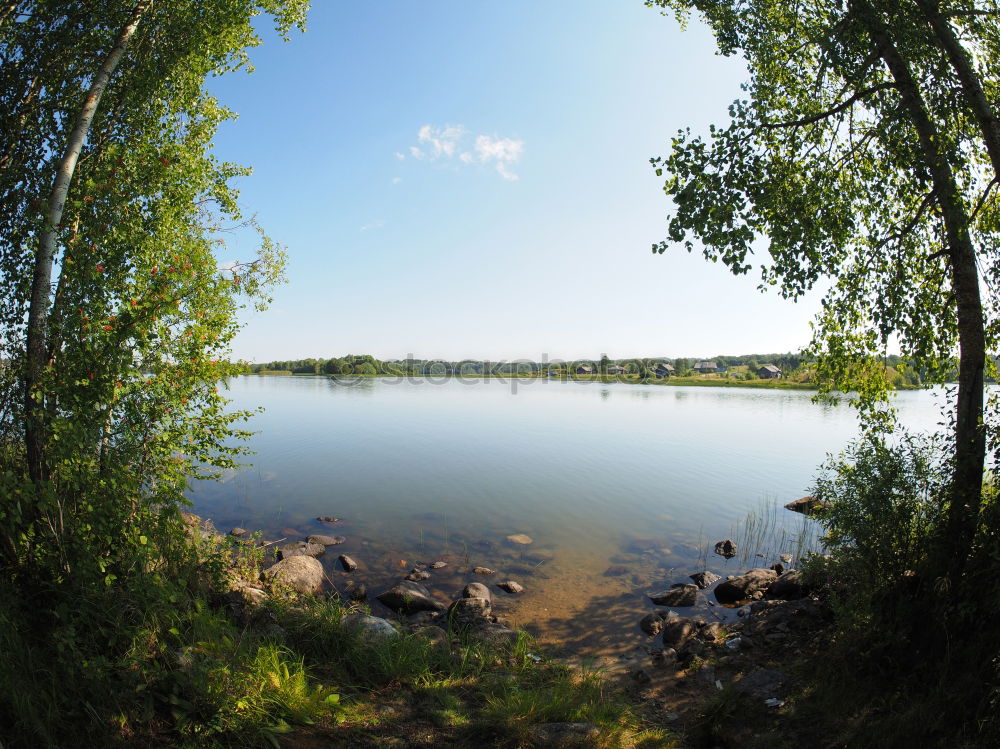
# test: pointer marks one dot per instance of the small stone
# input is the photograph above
(616, 570)
(300, 548)
(438, 565)
(511, 587)
(651, 624)
(726, 549)
(328, 519)
(237, 532)
(519, 538)
(408, 598)
(349, 564)
(778, 567)
(677, 632)
(786, 558)
(418, 576)
(483, 571)
(371, 628)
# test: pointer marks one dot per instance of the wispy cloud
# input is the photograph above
(452, 142)
(400, 156)
(373, 225)
(396, 180)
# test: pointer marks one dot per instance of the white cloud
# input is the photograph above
(396, 180)
(373, 225)
(400, 156)
(443, 143)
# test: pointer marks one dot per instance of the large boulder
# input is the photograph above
(371, 628)
(680, 594)
(408, 597)
(300, 573)
(743, 587)
(787, 587)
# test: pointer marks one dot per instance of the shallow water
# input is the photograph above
(619, 486)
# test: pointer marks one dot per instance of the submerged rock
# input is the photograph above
(418, 575)
(744, 586)
(519, 538)
(359, 592)
(301, 573)
(438, 565)
(348, 564)
(301, 548)
(679, 594)
(328, 519)
(408, 598)
(511, 587)
(238, 532)
(483, 571)
(319, 538)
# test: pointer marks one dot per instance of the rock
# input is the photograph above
(435, 635)
(778, 567)
(808, 505)
(665, 658)
(616, 570)
(301, 573)
(418, 575)
(359, 592)
(511, 587)
(691, 650)
(704, 579)
(477, 590)
(409, 597)
(319, 538)
(190, 519)
(651, 624)
(483, 571)
(371, 628)
(744, 586)
(519, 538)
(785, 558)
(564, 734)
(348, 564)
(423, 619)
(763, 683)
(787, 587)
(679, 594)
(238, 532)
(726, 549)
(328, 519)
(711, 631)
(494, 634)
(300, 548)
(469, 612)
(677, 631)
(438, 565)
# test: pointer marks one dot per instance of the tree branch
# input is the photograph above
(830, 112)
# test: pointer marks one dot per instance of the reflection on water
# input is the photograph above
(619, 486)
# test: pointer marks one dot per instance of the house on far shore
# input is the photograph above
(664, 370)
(585, 369)
(769, 372)
(706, 367)
(616, 369)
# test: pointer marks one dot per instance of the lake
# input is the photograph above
(620, 487)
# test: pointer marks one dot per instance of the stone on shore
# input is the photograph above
(743, 587)
(808, 505)
(477, 590)
(704, 579)
(652, 624)
(677, 631)
(787, 587)
(469, 612)
(408, 597)
(371, 628)
(679, 594)
(237, 532)
(301, 573)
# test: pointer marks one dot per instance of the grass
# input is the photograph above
(769, 530)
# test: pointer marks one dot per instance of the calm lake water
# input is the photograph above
(619, 486)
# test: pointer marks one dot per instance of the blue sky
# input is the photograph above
(471, 180)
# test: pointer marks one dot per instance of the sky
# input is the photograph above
(471, 180)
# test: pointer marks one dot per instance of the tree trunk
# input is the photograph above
(37, 332)
(970, 442)
(972, 88)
